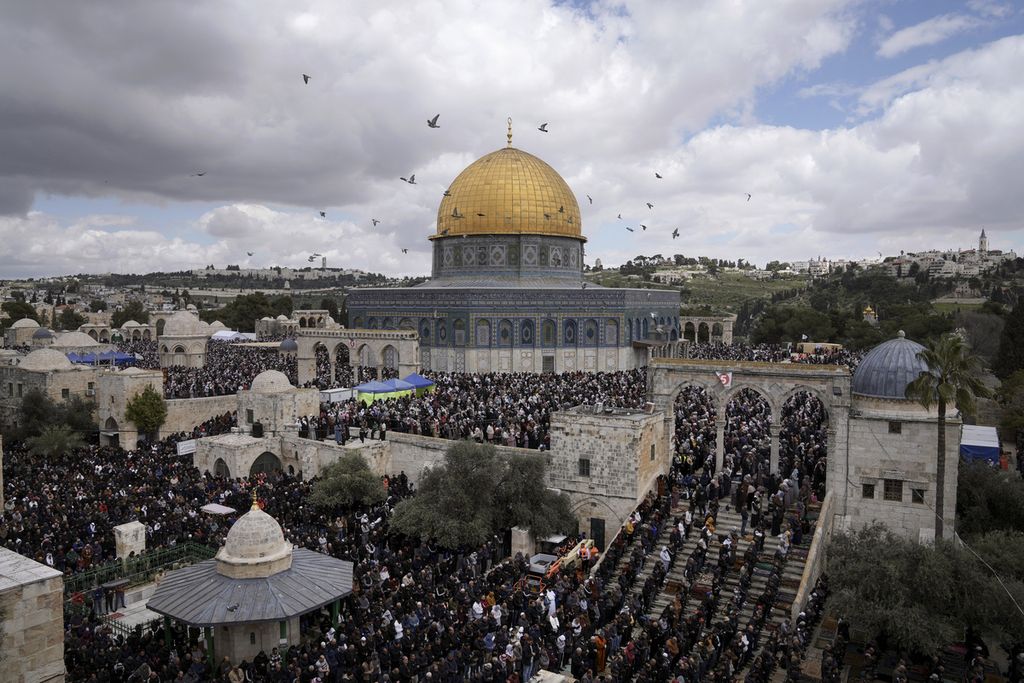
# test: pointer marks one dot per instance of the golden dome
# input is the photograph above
(509, 192)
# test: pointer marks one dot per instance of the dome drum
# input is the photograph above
(507, 257)
(255, 547)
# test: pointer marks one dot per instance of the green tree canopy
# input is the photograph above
(988, 499)
(97, 305)
(921, 596)
(54, 440)
(781, 324)
(18, 309)
(133, 311)
(69, 320)
(1010, 356)
(347, 482)
(476, 492)
(38, 411)
(242, 313)
(147, 410)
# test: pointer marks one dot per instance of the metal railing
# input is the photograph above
(139, 569)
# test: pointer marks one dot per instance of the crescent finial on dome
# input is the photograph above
(255, 501)
(510, 131)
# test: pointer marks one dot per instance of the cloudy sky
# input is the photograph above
(857, 126)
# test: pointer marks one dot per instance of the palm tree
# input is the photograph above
(952, 378)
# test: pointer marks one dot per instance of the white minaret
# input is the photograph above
(982, 242)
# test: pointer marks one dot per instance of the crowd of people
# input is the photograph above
(229, 367)
(426, 613)
(510, 409)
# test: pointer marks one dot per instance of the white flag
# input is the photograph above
(725, 379)
(804, 337)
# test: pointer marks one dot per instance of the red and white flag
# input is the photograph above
(725, 379)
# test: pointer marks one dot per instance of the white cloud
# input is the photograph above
(929, 32)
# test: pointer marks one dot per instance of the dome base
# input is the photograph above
(508, 258)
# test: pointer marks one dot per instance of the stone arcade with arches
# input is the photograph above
(183, 341)
(707, 328)
(881, 458)
(378, 349)
(507, 293)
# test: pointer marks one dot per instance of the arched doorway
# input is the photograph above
(803, 439)
(92, 333)
(220, 469)
(703, 333)
(111, 432)
(160, 326)
(145, 334)
(265, 464)
(323, 366)
(178, 355)
(695, 415)
(367, 364)
(748, 417)
(342, 366)
(389, 358)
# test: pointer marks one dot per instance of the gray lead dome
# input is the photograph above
(888, 368)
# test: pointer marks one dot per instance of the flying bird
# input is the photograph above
(456, 214)
(232, 608)
(650, 206)
(748, 196)
(675, 233)
(445, 231)
(481, 215)
(375, 221)
(584, 285)
(411, 179)
(644, 227)
(249, 253)
(620, 216)
(657, 175)
(547, 216)
(543, 128)
(311, 259)
(200, 174)
(630, 229)
(590, 199)
(447, 193)
(405, 251)
(305, 78)
(323, 214)
(316, 253)
(433, 122)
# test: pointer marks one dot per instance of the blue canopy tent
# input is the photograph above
(979, 443)
(376, 391)
(419, 382)
(398, 385)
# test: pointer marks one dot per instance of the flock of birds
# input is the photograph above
(411, 180)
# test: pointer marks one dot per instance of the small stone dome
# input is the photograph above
(42, 333)
(130, 323)
(271, 382)
(183, 324)
(282, 318)
(266, 318)
(45, 360)
(24, 323)
(73, 340)
(288, 345)
(255, 547)
(218, 325)
(888, 368)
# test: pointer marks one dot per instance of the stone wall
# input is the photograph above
(183, 414)
(878, 452)
(59, 385)
(32, 608)
(606, 462)
(276, 412)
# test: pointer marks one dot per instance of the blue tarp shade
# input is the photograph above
(105, 357)
(398, 385)
(374, 388)
(979, 443)
(418, 381)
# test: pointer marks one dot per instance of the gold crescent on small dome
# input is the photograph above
(510, 131)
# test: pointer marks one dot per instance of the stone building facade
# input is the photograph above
(32, 607)
(19, 333)
(606, 460)
(274, 404)
(48, 371)
(183, 341)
